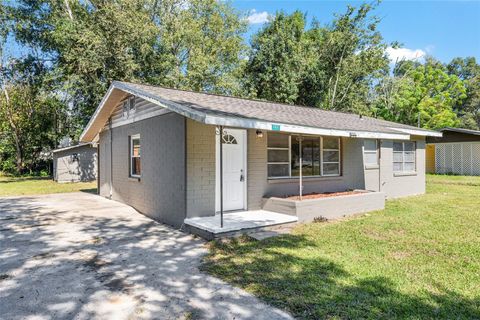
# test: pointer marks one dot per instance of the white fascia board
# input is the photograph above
(422, 133)
(283, 127)
(71, 147)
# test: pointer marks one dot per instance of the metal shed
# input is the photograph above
(457, 152)
(75, 163)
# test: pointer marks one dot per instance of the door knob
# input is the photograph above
(241, 175)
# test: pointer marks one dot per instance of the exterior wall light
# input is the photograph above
(259, 134)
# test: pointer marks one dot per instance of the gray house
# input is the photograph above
(75, 163)
(182, 157)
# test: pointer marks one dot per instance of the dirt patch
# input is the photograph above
(399, 255)
(315, 195)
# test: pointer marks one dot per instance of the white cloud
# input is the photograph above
(257, 17)
(398, 54)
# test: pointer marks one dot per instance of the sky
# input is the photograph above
(443, 29)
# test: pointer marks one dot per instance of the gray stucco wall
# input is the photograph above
(200, 169)
(160, 192)
(68, 169)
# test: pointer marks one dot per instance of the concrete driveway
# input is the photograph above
(80, 256)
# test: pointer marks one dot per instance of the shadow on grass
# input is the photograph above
(316, 288)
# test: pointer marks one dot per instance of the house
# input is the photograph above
(160, 152)
(76, 163)
(457, 152)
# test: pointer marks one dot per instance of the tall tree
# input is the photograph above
(192, 44)
(276, 62)
(29, 117)
(346, 57)
(468, 110)
(425, 95)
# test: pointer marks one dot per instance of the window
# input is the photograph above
(284, 155)
(128, 107)
(370, 152)
(330, 156)
(229, 139)
(278, 155)
(404, 156)
(135, 153)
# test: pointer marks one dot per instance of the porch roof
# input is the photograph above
(255, 114)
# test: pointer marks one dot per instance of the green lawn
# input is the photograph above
(17, 186)
(417, 259)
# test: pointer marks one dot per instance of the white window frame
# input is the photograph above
(135, 137)
(289, 163)
(403, 157)
(331, 162)
(376, 152)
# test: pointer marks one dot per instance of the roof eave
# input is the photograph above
(422, 133)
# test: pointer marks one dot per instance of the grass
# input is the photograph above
(17, 186)
(417, 259)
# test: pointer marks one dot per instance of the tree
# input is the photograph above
(276, 61)
(425, 95)
(193, 44)
(331, 67)
(347, 58)
(468, 110)
(29, 117)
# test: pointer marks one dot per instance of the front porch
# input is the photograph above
(237, 223)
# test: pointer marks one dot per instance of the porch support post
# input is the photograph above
(301, 167)
(221, 175)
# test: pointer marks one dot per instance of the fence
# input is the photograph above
(458, 158)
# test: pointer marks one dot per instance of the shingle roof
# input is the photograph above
(204, 105)
(270, 111)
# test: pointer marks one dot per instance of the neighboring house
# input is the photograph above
(457, 152)
(75, 163)
(160, 153)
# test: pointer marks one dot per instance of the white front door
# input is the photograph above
(234, 169)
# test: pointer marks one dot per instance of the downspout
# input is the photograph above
(111, 156)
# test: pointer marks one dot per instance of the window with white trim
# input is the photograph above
(135, 156)
(404, 156)
(370, 152)
(320, 155)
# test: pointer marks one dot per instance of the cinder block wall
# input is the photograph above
(200, 148)
(160, 192)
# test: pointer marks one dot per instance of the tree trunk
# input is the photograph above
(15, 132)
(69, 10)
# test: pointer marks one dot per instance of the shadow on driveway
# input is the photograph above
(81, 256)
